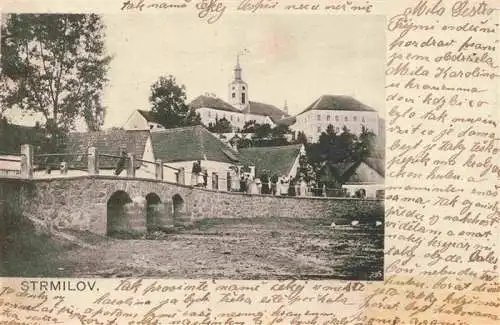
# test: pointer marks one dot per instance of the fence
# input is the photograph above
(10, 165)
(92, 162)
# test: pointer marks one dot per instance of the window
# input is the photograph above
(328, 117)
(362, 119)
(337, 118)
(243, 99)
(337, 130)
(215, 181)
(238, 118)
(243, 87)
(233, 95)
(208, 113)
(231, 118)
(355, 118)
(319, 129)
(319, 117)
(346, 119)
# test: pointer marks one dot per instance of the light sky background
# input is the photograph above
(296, 58)
(291, 57)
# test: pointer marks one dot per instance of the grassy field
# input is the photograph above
(278, 248)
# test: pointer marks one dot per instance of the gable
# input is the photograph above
(364, 173)
(136, 121)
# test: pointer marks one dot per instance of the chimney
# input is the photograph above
(285, 107)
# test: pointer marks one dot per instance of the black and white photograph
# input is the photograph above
(154, 146)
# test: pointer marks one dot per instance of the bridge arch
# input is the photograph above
(154, 209)
(179, 207)
(117, 216)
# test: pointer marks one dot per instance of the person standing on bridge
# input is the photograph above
(120, 166)
(195, 172)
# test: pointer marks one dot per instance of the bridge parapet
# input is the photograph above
(92, 162)
(86, 203)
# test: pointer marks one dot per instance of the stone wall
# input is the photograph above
(81, 203)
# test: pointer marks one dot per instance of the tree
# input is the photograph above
(220, 126)
(168, 104)
(262, 131)
(55, 66)
(249, 126)
(367, 145)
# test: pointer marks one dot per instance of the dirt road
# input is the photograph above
(235, 249)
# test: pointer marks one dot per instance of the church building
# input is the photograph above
(238, 108)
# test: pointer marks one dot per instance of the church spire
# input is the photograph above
(238, 89)
(237, 68)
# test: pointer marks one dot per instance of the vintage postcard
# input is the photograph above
(224, 162)
(232, 152)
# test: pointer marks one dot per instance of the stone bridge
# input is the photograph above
(106, 204)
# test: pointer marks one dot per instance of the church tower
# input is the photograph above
(238, 89)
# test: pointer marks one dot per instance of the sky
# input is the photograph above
(296, 58)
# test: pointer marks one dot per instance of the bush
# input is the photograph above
(24, 251)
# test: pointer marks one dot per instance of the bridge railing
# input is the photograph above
(10, 164)
(92, 162)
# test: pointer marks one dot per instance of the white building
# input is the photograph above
(182, 147)
(238, 109)
(142, 120)
(339, 111)
(212, 109)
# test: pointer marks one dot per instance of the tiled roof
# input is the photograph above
(351, 173)
(107, 142)
(265, 109)
(189, 144)
(212, 102)
(274, 160)
(288, 121)
(337, 103)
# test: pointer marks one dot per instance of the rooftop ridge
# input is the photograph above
(350, 104)
(181, 128)
(273, 147)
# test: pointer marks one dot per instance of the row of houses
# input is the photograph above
(180, 148)
(338, 110)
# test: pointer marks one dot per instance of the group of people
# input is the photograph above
(276, 185)
(244, 182)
